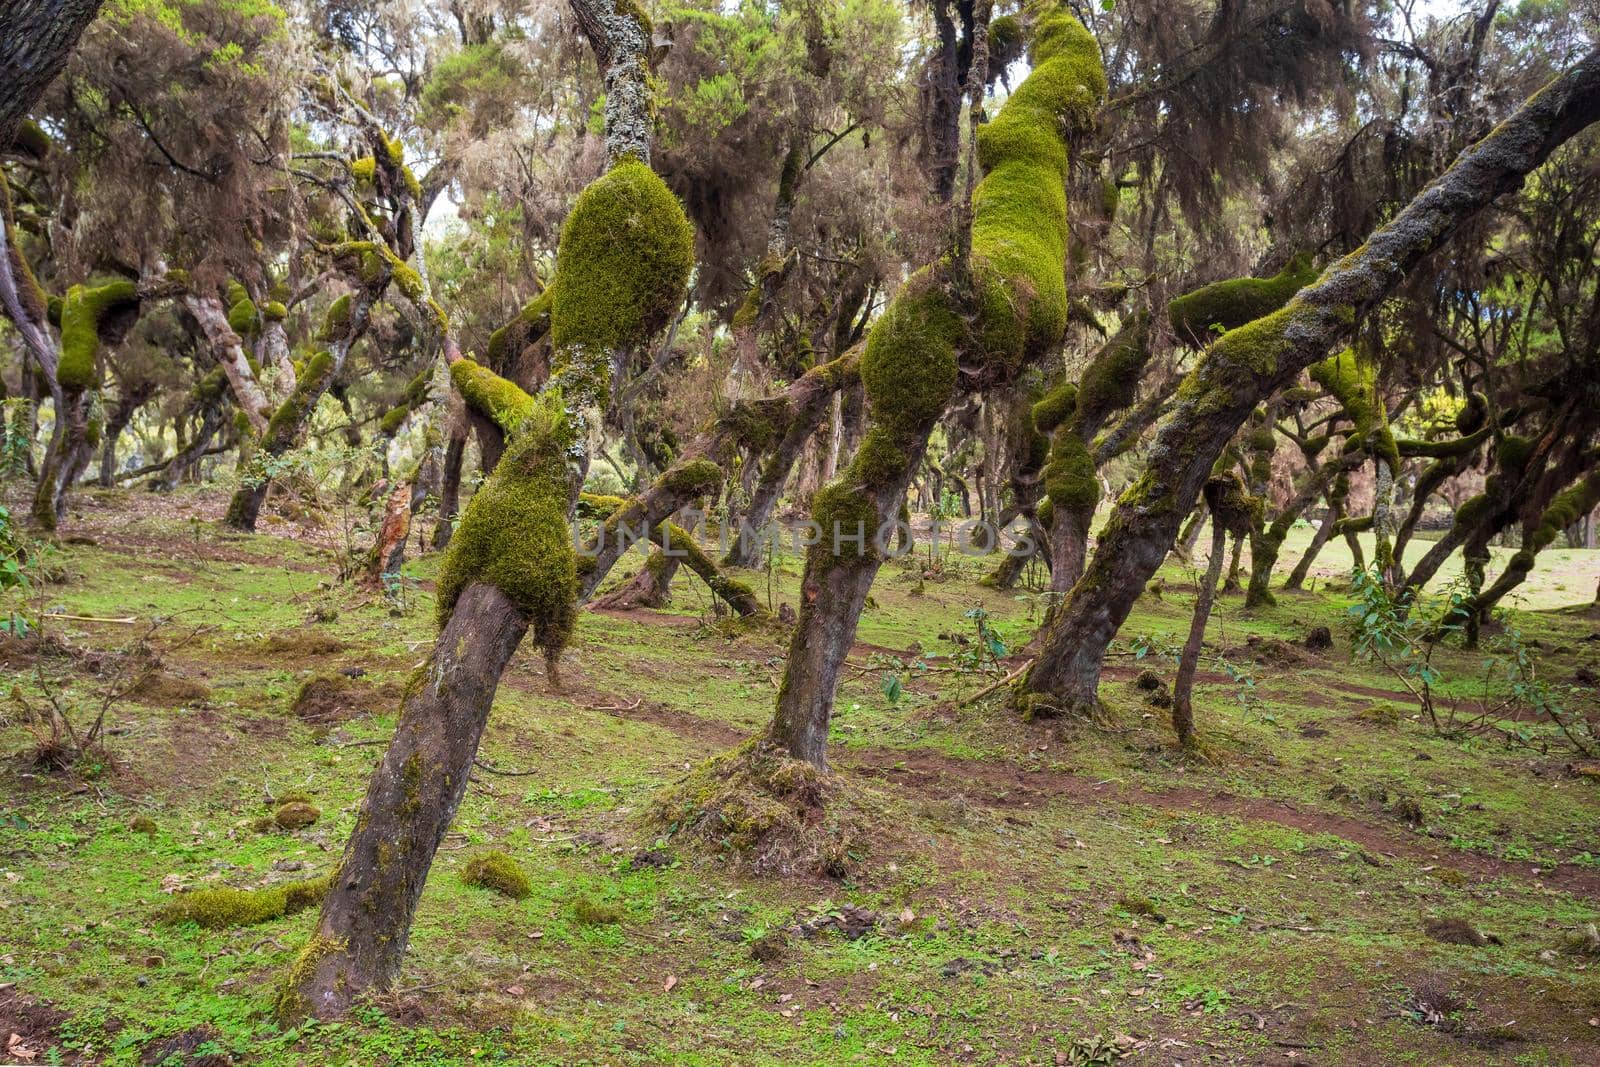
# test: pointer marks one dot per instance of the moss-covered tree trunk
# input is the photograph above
(650, 588)
(511, 567)
(361, 935)
(1254, 361)
(1003, 313)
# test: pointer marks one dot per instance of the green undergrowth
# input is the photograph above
(1013, 893)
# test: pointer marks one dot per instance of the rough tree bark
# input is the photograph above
(365, 923)
(1252, 362)
(36, 36)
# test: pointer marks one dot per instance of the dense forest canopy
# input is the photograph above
(539, 312)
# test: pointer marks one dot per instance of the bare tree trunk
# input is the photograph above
(1335, 498)
(1183, 685)
(36, 36)
(1255, 361)
(450, 485)
(650, 588)
(128, 404)
(365, 924)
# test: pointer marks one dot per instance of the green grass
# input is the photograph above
(1002, 860)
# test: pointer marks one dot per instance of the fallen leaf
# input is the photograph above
(515, 990)
(19, 1050)
(671, 981)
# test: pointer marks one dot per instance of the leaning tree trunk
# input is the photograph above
(455, 452)
(511, 568)
(1335, 498)
(365, 924)
(1183, 685)
(650, 588)
(1252, 362)
(36, 36)
(808, 401)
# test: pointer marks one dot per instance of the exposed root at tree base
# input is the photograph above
(776, 814)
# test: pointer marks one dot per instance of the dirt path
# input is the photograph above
(1007, 785)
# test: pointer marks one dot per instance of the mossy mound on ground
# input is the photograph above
(776, 814)
(221, 908)
(165, 690)
(296, 815)
(499, 872)
(142, 824)
(323, 700)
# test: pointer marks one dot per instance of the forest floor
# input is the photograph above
(1338, 885)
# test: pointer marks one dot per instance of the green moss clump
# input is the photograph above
(1056, 407)
(693, 478)
(243, 318)
(1567, 509)
(909, 366)
(622, 267)
(82, 313)
(1069, 477)
(499, 872)
(590, 912)
(841, 510)
(223, 908)
(1007, 40)
(491, 395)
(531, 323)
(1019, 225)
(293, 796)
(1353, 381)
(296, 815)
(143, 824)
(364, 169)
(1232, 508)
(514, 533)
(336, 323)
(1511, 454)
(284, 425)
(1231, 304)
(1111, 380)
(274, 311)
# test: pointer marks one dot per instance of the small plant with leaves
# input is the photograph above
(1401, 635)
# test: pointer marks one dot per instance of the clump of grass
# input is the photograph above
(142, 824)
(498, 872)
(223, 907)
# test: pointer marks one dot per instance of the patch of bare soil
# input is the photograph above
(160, 689)
(934, 773)
(180, 1049)
(29, 1030)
